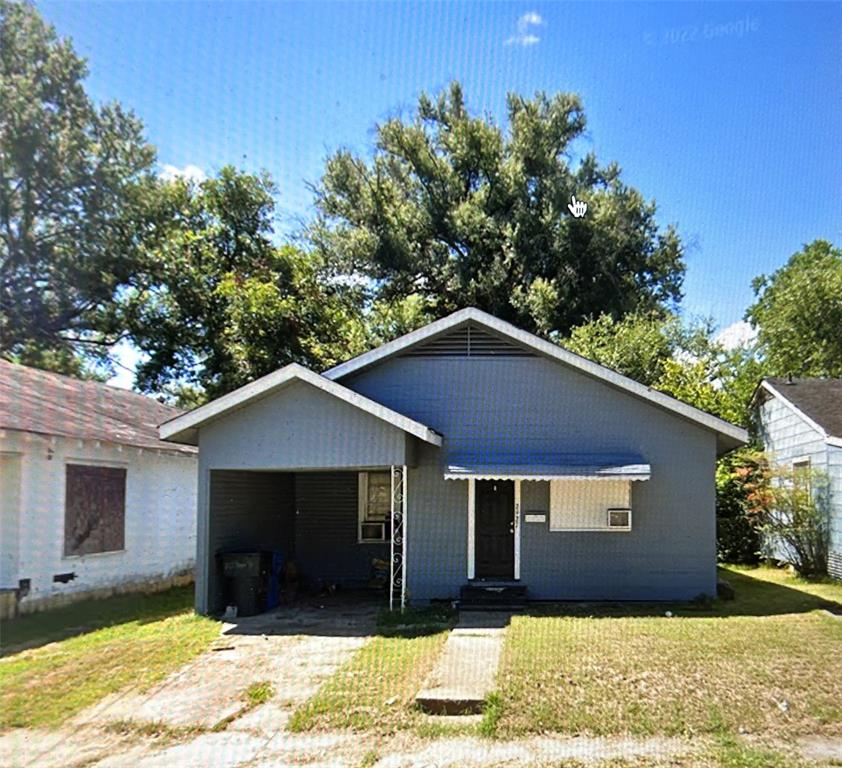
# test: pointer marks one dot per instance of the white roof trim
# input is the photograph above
(170, 430)
(547, 348)
(836, 442)
(795, 409)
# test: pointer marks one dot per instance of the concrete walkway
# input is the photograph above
(293, 649)
(467, 669)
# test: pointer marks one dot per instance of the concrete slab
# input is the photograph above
(467, 669)
(293, 649)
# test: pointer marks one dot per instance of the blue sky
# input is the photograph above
(728, 115)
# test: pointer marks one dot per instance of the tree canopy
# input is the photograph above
(217, 303)
(456, 210)
(71, 176)
(680, 358)
(798, 313)
(450, 210)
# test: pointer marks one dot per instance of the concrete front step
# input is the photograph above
(506, 596)
(467, 669)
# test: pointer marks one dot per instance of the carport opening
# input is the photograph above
(313, 519)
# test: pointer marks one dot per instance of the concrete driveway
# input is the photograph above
(293, 649)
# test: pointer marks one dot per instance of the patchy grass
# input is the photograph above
(375, 689)
(765, 662)
(256, 694)
(160, 732)
(430, 618)
(491, 715)
(82, 617)
(370, 759)
(45, 686)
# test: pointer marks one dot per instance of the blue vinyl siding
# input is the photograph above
(536, 405)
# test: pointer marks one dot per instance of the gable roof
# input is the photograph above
(729, 435)
(184, 428)
(48, 403)
(817, 401)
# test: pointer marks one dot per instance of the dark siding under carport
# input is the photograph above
(248, 510)
(326, 546)
(309, 516)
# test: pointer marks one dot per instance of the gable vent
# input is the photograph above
(468, 341)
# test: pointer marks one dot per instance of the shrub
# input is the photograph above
(737, 539)
(795, 519)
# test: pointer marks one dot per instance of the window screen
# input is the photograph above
(584, 504)
(375, 505)
(94, 509)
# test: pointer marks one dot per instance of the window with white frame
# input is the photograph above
(590, 505)
(801, 472)
(375, 506)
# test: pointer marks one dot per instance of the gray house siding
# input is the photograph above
(436, 531)
(326, 545)
(248, 510)
(298, 427)
(308, 516)
(834, 469)
(787, 437)
(534, 404)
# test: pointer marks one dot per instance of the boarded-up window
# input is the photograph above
(94, 509)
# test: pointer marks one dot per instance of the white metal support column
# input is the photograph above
(517, 528)
(397, 548)
(471, 527)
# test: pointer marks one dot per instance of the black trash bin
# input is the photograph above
(246, 577)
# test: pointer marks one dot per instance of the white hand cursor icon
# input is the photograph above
(577, 208)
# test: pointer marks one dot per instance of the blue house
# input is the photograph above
(799, 422)
(468, 454)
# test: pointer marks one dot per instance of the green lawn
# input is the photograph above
(765, 663)
(121, 641)
(375, 690)
(764, 666)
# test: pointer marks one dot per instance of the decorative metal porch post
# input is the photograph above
(397, 559)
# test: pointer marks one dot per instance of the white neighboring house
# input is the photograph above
(91, 501)
(799, 422)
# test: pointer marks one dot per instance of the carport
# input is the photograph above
(297, 463)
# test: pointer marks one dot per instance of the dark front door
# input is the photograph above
(495, 529)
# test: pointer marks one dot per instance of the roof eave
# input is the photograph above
(185, 428)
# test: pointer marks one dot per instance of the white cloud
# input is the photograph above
(739, 334)
(189, 172)
(126, 357)
(525, 35)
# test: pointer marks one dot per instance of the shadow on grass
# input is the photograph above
(754, 597)
(37, 629)
(416, 622)
(349, 613)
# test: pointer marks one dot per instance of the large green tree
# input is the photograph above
(680, 358)
(456, 209)
(72, 178)
(798, 313)
(218, 304)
